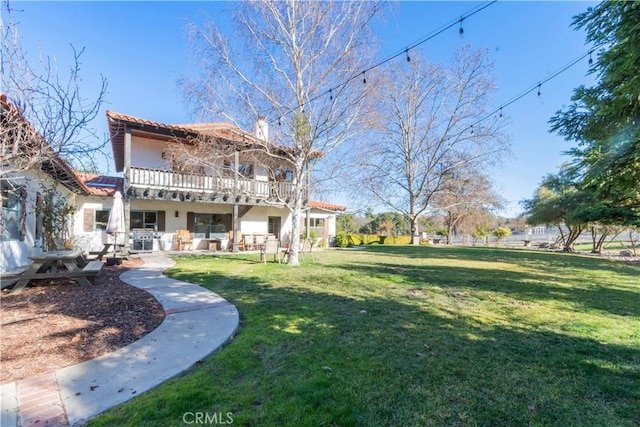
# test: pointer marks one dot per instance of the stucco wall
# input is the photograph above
(15, 253)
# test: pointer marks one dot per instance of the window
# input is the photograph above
(101, 219)
(245, 170)
(316, 222)
(274, 226)
(209, 223)
(11, 214)
(282, 175)
(144, 219)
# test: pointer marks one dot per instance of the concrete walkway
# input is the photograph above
(197, 323)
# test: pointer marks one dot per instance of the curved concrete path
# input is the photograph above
(197, 323)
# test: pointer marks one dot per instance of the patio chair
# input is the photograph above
(241, 243)
(184, 240)
(271, 246)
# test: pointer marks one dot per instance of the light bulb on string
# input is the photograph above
(500, 112)
(408, 57)
(539, 92)
(330, 95)
(590, 58)
(471, 129)
(461, 30)
(364, 77)
(279, 122)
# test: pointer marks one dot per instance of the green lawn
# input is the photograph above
(414, 336)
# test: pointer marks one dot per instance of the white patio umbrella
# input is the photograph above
(115, 224)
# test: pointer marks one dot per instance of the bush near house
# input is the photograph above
(372, 239)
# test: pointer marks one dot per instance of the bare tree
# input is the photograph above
(429, 133)
(44, 117)
(298, 65)
(466, 200)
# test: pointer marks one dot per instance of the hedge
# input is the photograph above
(369, 239)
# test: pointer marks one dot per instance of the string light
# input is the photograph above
(330, 95)
(500, 112)
(461, 30)
(419, 42)
(590, 58)
(532, 88)
(408, 57)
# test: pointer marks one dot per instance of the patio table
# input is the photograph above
(58, 264)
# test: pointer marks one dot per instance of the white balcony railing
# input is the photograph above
(168, 180)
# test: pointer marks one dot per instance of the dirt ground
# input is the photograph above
(57, 323)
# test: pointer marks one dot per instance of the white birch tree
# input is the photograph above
(299, 65)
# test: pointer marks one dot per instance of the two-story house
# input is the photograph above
(168, 185)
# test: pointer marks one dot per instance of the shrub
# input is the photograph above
(342, 239)
(501, 233)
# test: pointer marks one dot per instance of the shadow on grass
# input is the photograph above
(307, 356)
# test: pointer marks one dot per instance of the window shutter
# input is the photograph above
(228, 219)
(190, 221)
(23, 213)
(161, 221)
(88, 220)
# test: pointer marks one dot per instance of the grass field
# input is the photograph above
(413, 336)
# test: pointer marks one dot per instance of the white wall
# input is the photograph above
(147, 153)
(15, 253)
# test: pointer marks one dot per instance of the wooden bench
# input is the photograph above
(93, 268)
(8, 278)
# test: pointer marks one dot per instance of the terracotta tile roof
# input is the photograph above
(52, 164)
(102, 185)
(326, 206)
(118, 123)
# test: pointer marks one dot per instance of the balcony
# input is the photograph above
(157, 179)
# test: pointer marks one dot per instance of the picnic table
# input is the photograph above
(59, 264)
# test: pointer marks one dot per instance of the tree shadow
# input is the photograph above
(344, 360)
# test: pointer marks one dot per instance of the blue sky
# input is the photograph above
(142, 50)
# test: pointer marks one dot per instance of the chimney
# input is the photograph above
(262, 129)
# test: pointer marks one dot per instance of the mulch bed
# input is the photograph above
(57, 323)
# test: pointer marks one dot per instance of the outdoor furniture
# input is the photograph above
(58, 265)
(259, 241)
(241, 242)
(306, 246)
(184, 240)
(271, 246)
(106, 249)
(249, 243)
(8, 278)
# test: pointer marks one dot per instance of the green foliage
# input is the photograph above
(481, 232)
(374, 239)
(342, 239)
(54, 212)
(346, 222)
(442, 232)
(500, 233)
(605, 119)
(388, 223)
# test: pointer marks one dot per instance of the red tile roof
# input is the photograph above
(326, 206)
(118, 123)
